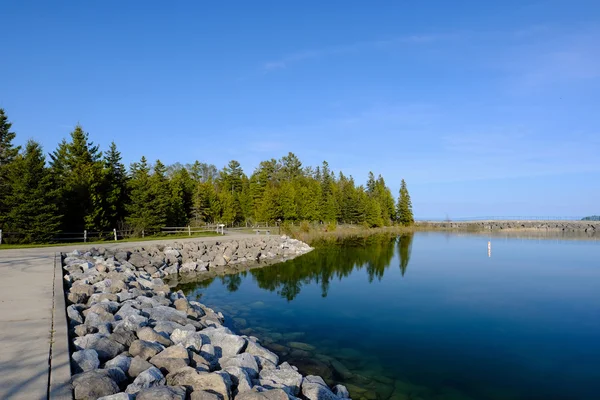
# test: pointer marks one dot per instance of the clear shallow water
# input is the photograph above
(429, 316)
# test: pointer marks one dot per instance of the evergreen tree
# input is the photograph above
(149, 198)
(405, 213)
(8, 152)
(287, 201)
(115, 187)
(32, 210)
(77, 172)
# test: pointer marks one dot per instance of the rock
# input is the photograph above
(117, 375)
(117, 396)
(150, 335)
(181, 304)
(341, 371)
(82, 330)
(132, 323)
(168, 327)
(138, 365)
(212, 382)
(341, 391)
(145, 349)
(275, 394)
(257, 350)
(162, 393)
(162, 313)
(93, 384)
(203, 395)
(245, 361)
(226, 344)
(188, 266)
(171, 359)
(77, 298)
(189, 339)
(284, 377)
(239, 379)
(124, 337)
(105, 347)
(121, 361)
(149, 378)
(314, 388)
(85, 360)
(301, 346)
(74, 316)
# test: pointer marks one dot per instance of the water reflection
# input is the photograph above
(331, 260)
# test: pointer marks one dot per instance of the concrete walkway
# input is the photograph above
(34, 357)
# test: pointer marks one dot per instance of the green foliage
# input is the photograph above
(149, 197)
(77, 172)
(8, 153)
(405, 213)
(94, 191)
(305, 226)
(32, 199)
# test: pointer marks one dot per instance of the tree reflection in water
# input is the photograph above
(330, 260)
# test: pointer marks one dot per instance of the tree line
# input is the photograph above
(82, 187)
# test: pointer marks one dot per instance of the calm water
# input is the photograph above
(429, 316)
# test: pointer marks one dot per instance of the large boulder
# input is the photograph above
(245, 361)
(226, 344)
(121, 361)
(275, 394)
(171, 359)
(92, 385)
(149, 378)
(213, 382)
(284, 377)
(144, 349)
(106, 348)
(137, 365)
(314, 388)
(150, 335)
(189, 339)
(257, 350)
(163, 313)
(162, 393)
(85, 360)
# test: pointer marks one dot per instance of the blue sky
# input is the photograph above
(485, 108)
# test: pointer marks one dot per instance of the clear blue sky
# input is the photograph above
(484, 107)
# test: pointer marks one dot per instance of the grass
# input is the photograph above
(331, 232)
(132, 239)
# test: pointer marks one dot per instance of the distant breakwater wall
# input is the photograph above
(132, 338)
(588, 227)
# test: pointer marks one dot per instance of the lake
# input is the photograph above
(429, 315)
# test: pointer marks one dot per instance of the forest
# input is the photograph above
(80, 187)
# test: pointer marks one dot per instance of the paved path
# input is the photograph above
(27, 299)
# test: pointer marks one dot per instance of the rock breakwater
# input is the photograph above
(588, 227)
(132, 338)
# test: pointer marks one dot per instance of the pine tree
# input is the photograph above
(77, 172)
(115, 187)
(148, 199)
(287, 201)
(405, 213)
(8, 152)
(32, 210)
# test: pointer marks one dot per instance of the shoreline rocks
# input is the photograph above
(132, 338)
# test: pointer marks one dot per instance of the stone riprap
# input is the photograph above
(132, 338)
(588, 227)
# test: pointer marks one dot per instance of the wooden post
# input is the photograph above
(189, 231)
(142, 233)
(85, 236)
(115, 232)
